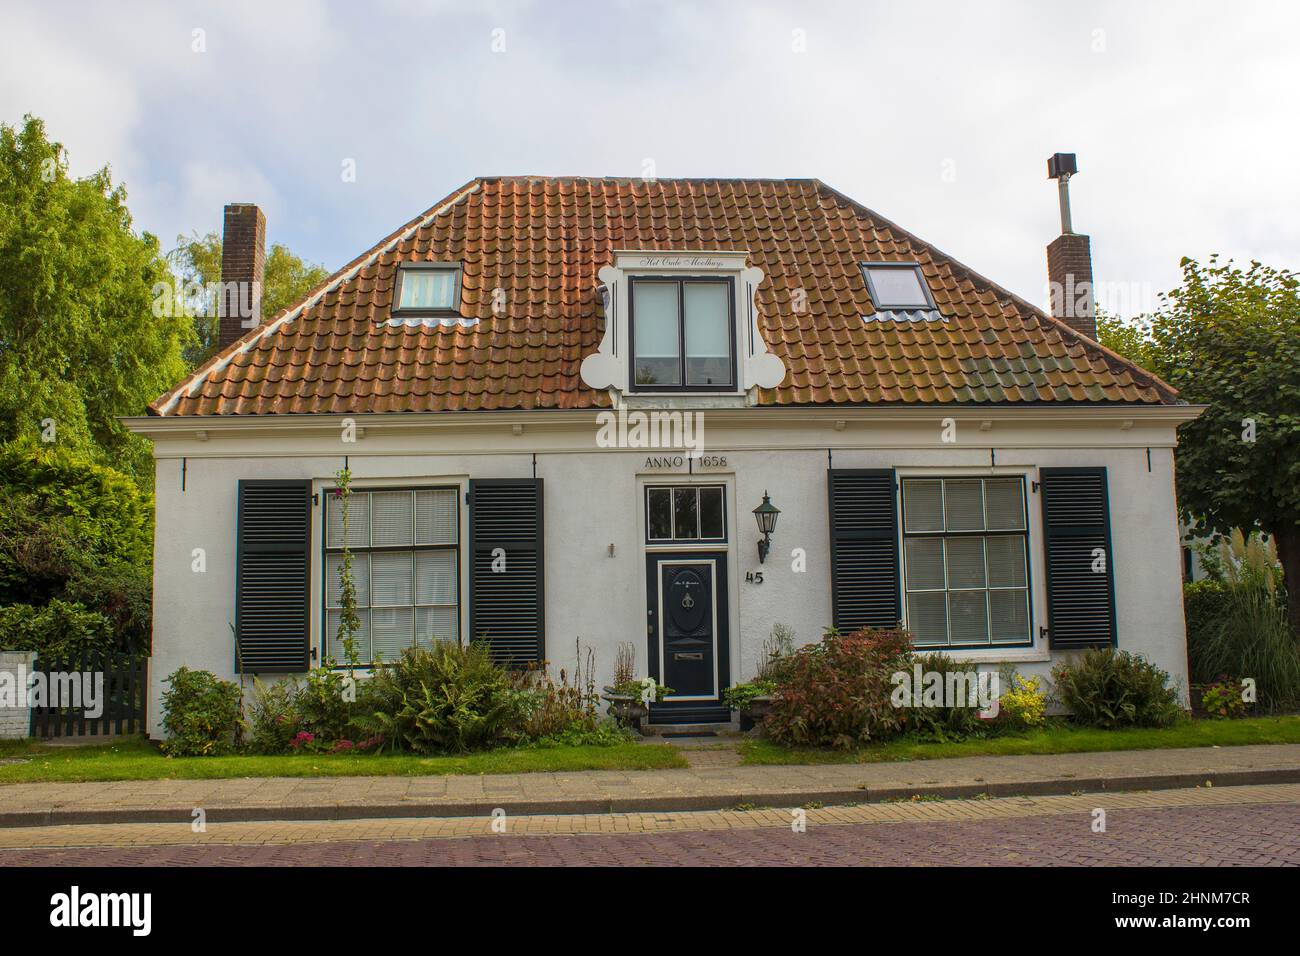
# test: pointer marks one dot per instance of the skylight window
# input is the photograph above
(897, 285)
(427, 288)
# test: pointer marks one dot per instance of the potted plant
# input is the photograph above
(629, 697)
(754, 699)
(1219, 700)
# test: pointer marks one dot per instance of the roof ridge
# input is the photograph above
(649, 182)
(165, 402)
(1109, 356)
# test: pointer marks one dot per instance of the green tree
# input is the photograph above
(74, 531)
(1229, 338)
(197, 261)
(79, 341)
(1131, 338)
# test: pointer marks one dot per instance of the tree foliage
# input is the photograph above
(197, 261)
(1130, 338)
(75, 532)
(79, 343)
(1229, 338)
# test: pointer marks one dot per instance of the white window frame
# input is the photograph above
(876, 300)
(325, 551)
(681, 282)
(1026, 650)
(672, 488)
(425, 311)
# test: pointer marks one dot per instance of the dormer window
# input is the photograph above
(427, 289)
(897, 286)
(683, 334)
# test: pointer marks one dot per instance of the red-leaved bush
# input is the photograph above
(836, 693)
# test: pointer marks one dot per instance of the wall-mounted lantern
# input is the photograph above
(765, 514)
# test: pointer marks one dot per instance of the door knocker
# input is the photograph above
(688, 602)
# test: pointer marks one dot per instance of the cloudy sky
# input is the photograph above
(938, 115)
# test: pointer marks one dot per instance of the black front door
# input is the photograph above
(687, 615)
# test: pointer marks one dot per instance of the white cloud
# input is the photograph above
(1182, 120)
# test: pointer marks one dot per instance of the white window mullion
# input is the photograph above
(988, 598)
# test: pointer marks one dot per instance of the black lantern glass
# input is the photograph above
(766, 515)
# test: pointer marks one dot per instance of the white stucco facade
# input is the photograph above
(595, 551)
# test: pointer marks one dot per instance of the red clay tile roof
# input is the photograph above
(543, 240)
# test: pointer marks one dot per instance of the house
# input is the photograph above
(561, 400)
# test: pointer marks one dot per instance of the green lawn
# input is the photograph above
(138, 759)
(1055, 739)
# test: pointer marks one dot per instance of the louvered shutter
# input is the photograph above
(864, 548)
(506, 605)
(1076, 530)
(272, 590)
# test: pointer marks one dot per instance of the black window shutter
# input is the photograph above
(272, 590)
(506, 606)
(864, 548)
(1076, 523)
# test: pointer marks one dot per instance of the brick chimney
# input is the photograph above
(1069, 258)
(243, 260)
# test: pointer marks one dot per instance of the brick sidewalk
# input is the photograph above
(700, 788)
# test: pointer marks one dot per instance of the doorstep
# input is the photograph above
(606, 791)
(668, 733)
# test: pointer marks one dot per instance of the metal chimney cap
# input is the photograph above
(1062, 164)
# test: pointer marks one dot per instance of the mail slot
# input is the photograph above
(697, 656)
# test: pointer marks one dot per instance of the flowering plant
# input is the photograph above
(1024, 704)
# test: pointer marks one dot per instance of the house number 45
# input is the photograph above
(754, 577)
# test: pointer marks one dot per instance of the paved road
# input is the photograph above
(1198, 828)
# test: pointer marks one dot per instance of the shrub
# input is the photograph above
(1241, 627)
(944, 723)
(273, 716)
(605, 733)
(1203, 605)
(1023, 704)
(322, 704)
(837, 693)
(1109, 688)
(200, 714)
(60, 630)
(123, 593)
(448, 698)
(776, 651)
(78, 532)
(564, 708)
(102, 512)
